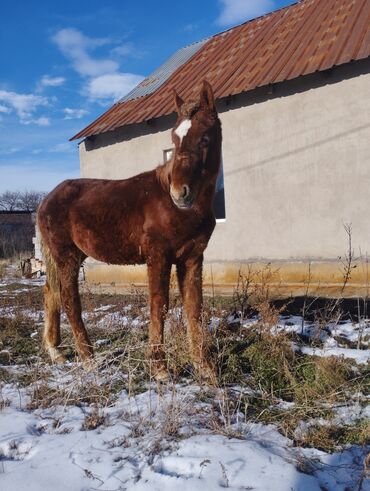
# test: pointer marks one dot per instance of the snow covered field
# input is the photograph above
(50, 449)
(110, 428)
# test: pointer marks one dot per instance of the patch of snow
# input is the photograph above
(351, 413)
(128, 452)
(360, 356)
(103, 308)
(352, 332)
(250, 322)
(214, 322)
(102, 342)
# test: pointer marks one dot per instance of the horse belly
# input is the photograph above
(112, 249)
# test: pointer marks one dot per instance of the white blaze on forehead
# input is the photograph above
(183, 128)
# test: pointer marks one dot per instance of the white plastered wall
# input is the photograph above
(296, 168)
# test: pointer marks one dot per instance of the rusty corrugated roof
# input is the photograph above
(309, 36)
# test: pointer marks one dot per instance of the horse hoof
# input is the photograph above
(207, 373)
(86, 354)
(161, 375)
(56, 355)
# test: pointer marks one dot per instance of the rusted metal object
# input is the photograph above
(303, 38)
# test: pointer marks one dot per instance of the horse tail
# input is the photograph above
(52, 286)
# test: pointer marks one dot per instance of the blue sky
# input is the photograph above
(64, 63)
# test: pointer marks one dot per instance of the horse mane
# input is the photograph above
(163, 174)
(189, 108)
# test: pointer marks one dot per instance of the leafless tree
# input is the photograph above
(9, 200)
(20, 200)
(30, 200)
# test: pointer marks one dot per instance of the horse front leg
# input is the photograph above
(189, 274)
(159, 279)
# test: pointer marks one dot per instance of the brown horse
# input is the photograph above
(160, 218)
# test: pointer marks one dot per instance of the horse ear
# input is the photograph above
(207, 98)
(178, 101)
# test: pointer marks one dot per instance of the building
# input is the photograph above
(293, 94)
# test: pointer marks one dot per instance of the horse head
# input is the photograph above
(197, 140)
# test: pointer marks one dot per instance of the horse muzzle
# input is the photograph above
(182, 198)
(182, 203)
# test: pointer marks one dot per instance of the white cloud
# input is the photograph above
(236, 11)
(42, 121)
(75, 46)
(10, 151)
(124, 50)
(25, 105)
(4, 109)
(63, 148)
(190, 27)
(74, 113)
(112, 85)
(48, 81)
(105, 81)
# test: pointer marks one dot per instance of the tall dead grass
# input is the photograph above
(258, 370)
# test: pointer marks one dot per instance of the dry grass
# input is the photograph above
(3, 265)
(16, 343)
(329, 437)
(262, 365)
(93, 419)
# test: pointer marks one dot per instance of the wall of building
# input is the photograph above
(296, 168)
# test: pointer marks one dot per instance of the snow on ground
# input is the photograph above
(50, 449)
(360, 356)
(334, 337)
(166, 438)
(344, 330)
(6, 282)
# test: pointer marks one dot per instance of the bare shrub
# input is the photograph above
(44, 396)
(176, 342)
(328, 437)
(254, 293)
(93, 420)
(3, 265)
(226, 413)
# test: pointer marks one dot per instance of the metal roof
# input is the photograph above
(158, 77)
(309, 36)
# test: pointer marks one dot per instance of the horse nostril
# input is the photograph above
(185, 191)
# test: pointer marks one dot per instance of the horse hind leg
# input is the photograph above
(51, 336)
(52, 306)
(61, 290)
(68, 274)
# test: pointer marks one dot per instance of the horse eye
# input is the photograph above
(204, 140)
